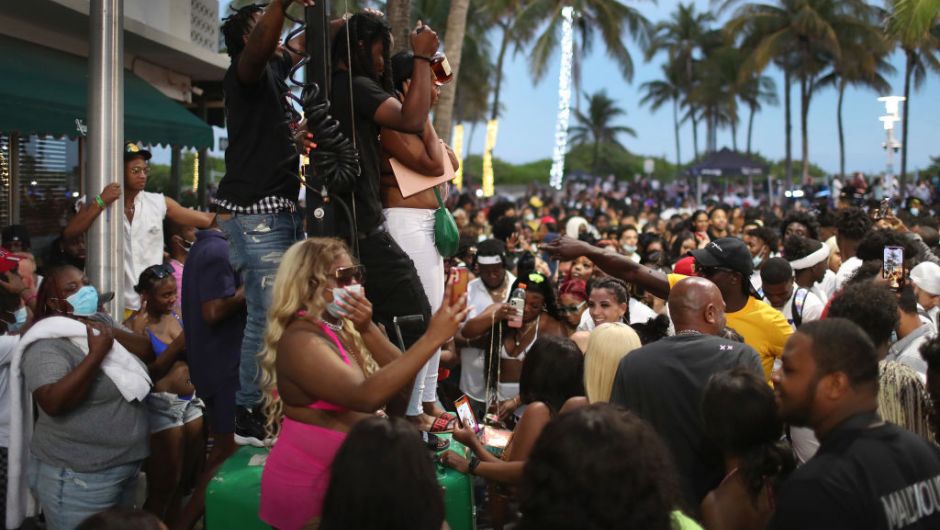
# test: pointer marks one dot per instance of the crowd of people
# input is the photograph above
(638, 361)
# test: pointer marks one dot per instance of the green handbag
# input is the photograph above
(446, 235)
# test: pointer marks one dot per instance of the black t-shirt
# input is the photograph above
(663, 382)
(261, 159)
(874, 477)
(367, 96)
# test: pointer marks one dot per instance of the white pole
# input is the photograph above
(105, 265)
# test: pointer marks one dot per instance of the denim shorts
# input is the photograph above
(69, 497)
(166, 410)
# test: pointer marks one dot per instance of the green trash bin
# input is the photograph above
(458, 492)
(234, 493)
(233, 496)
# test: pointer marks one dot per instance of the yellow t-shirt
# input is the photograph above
(763, 328)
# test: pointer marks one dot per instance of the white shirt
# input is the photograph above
(473, 360)
(7, 347)
(143, 242)
(812, 307)
(827, 287)
(846, 271)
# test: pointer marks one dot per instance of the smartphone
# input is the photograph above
(465, 414)
(893, 270)
(884, 209)
(459, 279)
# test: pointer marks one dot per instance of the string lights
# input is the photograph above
(491, 128)
(458, 150)
(557, 173)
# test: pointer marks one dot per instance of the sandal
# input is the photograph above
(436, 443)
(445, 423)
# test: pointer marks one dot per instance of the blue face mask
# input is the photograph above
(915, 211)
(339, 293)
(19, 320)
(758, 259)
(629, 249)
(84, 302)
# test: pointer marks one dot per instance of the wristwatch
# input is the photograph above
(474, 462)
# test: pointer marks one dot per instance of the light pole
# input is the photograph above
(891, 144)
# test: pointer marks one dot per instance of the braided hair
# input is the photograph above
(237, 25)
(365, 29)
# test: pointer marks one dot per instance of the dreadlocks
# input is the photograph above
(237, 25)
(365, 29)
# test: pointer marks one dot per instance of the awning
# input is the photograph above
(44, 91)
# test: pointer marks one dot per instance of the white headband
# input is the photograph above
(490, 260)
(811, 260)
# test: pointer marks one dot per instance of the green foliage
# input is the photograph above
(158, 180)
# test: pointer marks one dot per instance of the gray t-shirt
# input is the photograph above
(104, 431)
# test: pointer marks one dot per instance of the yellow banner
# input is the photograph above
(491, 129)
(458, 150)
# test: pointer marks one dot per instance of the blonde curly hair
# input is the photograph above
(302, 280)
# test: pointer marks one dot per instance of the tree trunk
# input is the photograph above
(804, 118)
(908, 70)
(453, 44)
(466, 150)
(788, 128)
(694, 131)
(594, 156)
(500, 59)
(750, 128)
(734, 135)
(398, 13)
(841, 131)
(675, 124)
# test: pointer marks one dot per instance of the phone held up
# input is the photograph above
(893, 270)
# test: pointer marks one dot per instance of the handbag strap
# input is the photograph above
(438, 195)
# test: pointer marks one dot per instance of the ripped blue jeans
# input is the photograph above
(256, 245)
(68, 497)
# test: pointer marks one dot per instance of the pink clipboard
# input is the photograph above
(411, 182)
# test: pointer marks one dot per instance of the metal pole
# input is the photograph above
(105, 238)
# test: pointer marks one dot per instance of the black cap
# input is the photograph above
(132, 150)
(728, 252)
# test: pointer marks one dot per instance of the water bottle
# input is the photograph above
(517, 302)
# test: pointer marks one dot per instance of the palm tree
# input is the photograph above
(863, 63)
(659, 92)
(683, 38)
(716, 92)
(504, 14)
(756, 91)
(915, 26)
(803, 37)
(596, 127)
(453, 44)
(611, 18)
(398, 13)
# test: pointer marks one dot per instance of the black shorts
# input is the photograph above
(220, 410)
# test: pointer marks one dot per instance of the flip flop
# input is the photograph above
(445, 423)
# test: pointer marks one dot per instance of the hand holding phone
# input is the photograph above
(893, 269)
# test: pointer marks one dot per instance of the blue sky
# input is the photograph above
(527, 125)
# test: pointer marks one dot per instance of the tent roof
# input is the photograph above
(726, 162)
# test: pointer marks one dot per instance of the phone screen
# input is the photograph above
(894, 267)
(465, 413)
(459, 279)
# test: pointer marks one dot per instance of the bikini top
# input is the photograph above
(158, 345)
(321, 404)
(503, 354)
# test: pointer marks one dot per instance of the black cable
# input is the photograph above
(335, 160)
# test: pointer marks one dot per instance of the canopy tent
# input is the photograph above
(45, 91)
(726, 162)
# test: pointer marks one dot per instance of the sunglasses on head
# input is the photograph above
(158, 271)
(349, 275)
(565, 309)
